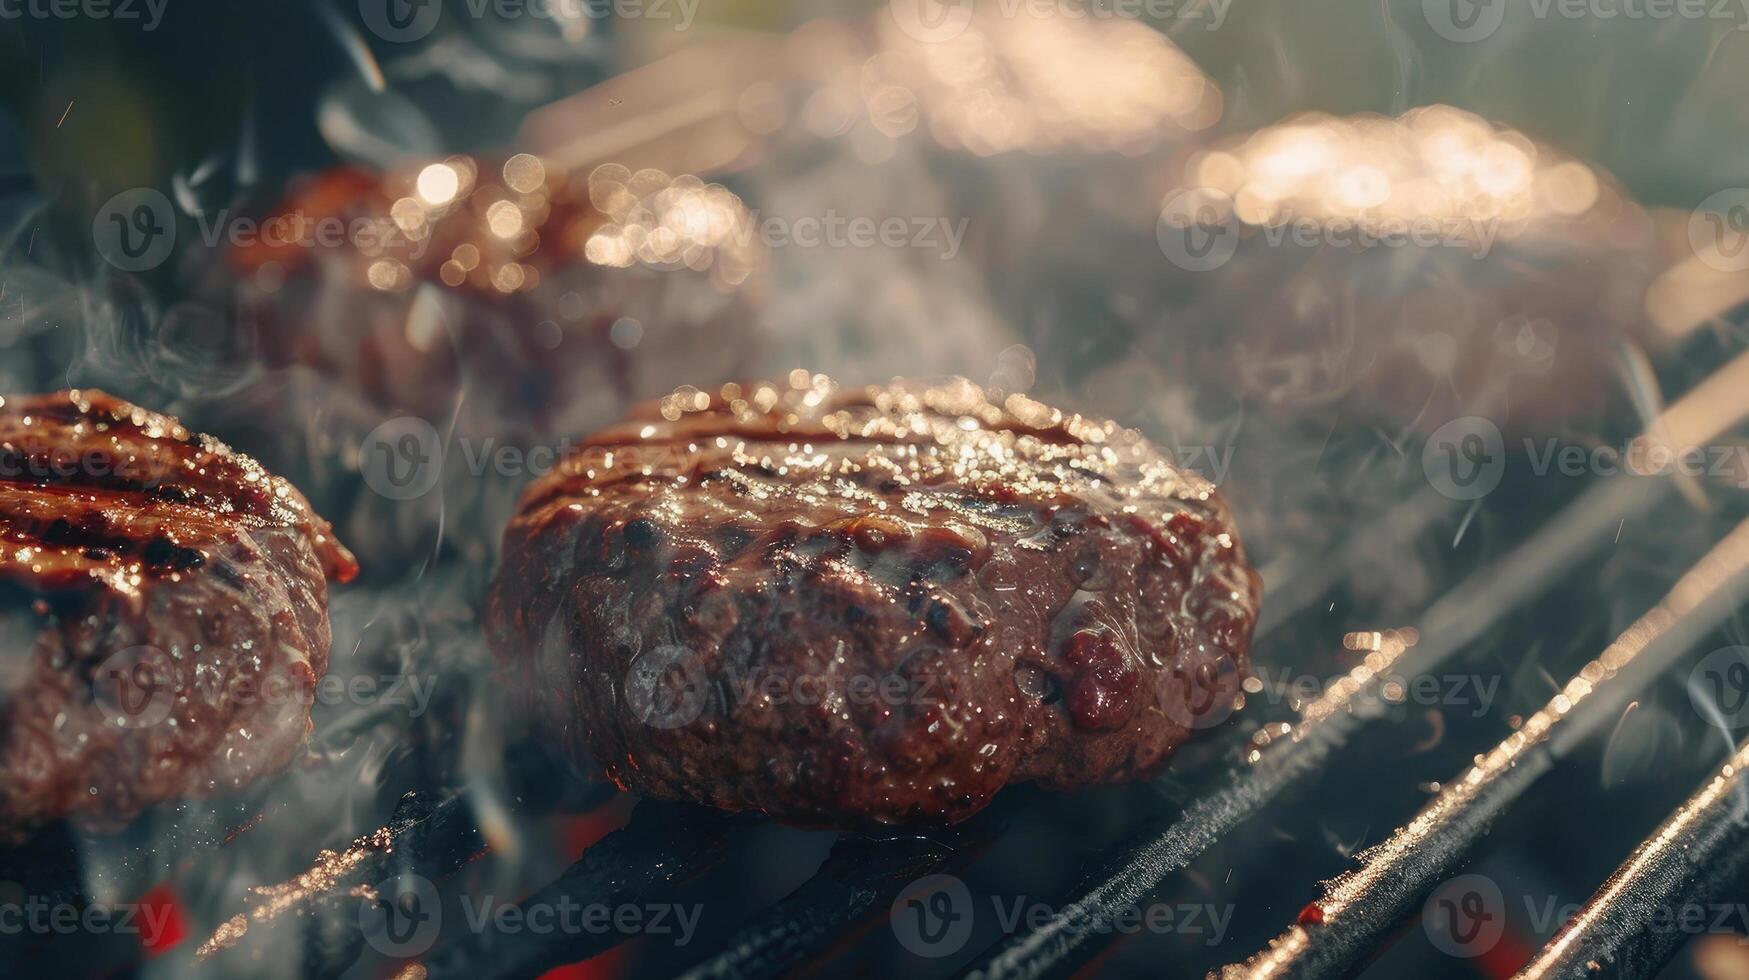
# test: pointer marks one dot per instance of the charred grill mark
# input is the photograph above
(91, 535)
(127, 537)
(844, 542)
(91, 483)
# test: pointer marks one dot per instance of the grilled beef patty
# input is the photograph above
(348, 341)
(163, 606)
(870, 606)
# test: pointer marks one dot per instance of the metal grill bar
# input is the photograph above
(859, 877)
(427, 836)
(1696, 856)
(1360, 907)
(652, 857)
(427, 833)
(664, 845)
(1070, 938)
(1706, 411)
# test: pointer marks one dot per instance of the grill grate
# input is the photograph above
(426, 836)
(859, 877)
(664, 847)
(1066, 941)
(1358, 909)
(1694, 858)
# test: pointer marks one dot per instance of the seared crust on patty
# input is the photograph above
(876, 605)
(164, 604)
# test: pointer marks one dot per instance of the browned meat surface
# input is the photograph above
(870, 606)
(498, 341)
(164, 607)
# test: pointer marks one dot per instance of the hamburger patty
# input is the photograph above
(164, 607)
(870, 606)
(429, 325)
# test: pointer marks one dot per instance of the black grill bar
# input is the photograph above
(664, 845)
(1339, 931)
(1698, 855)
(860, 877)
(667, 845)
(1071, 937)
(428, 835)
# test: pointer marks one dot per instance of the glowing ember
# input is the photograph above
(227, 935)
(161, 905)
